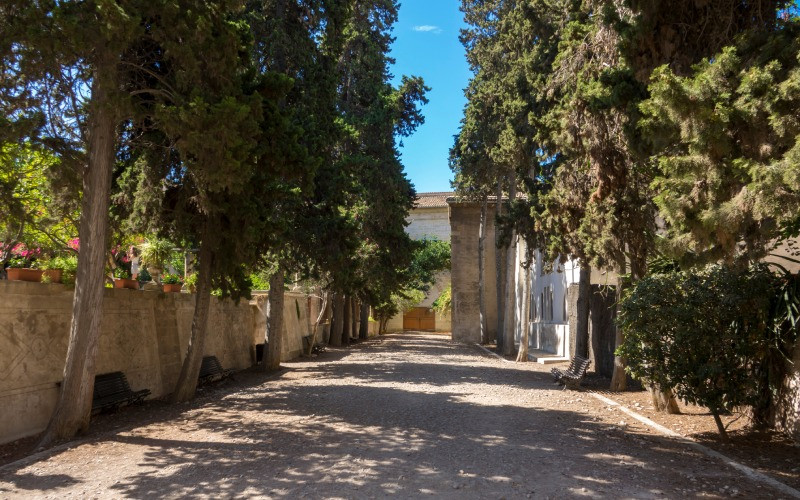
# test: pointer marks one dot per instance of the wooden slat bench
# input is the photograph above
(111, 390)
(211, 370)
(572, 377)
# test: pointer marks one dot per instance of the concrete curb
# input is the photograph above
(747, 471)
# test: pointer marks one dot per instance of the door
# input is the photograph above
(419, 318)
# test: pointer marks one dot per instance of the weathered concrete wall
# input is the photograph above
(428, 223)
(464, 230)
(143, 334)
(297, 323)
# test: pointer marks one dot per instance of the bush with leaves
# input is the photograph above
(717, 337)
(444, 303)
(400, 303)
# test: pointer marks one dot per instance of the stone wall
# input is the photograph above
(428, 223)
(464, 229)
(143, 334)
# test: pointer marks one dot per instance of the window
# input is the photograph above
(547, 303)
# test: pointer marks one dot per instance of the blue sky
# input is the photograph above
(427, 45)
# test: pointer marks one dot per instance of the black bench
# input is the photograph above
(572, 377)
(111, 390)
(211, 370)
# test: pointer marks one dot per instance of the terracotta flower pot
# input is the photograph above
(24, 274)
(53, 274)
(126, 283)
(171, 287)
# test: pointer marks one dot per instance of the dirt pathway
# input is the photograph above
(406, 415)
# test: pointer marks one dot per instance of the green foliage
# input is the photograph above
(190, 280)
(35, 210)
(144, 276)
(726, 142)
(68, 264)
(717, 337)
(121, 273)
(155, 252)
(260, 280)
(171, 279)
(444, 303)
(400, 302)
(431, 256)
(555, 109)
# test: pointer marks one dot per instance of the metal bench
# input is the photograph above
(211, 370)
(111, 390)
(572, 377)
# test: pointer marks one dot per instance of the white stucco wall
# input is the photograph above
(429, 223)
(549, 334)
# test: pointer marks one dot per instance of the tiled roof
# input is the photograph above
(491, 199)
(433, 200)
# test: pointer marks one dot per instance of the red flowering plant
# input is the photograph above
(22, 256)
(122, 262)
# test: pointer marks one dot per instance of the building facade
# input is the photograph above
(429, 219)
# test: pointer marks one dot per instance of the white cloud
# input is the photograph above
(427, 28)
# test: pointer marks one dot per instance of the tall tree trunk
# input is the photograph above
(510, 302)
(337, 323)
(525, 315)
(663, 399)
(190, 369)
(384, 324)
(485, 338)
(363, 331)
(500, 267)
(74, 405)
(347, 320)
(275, 320)
(510, 283)
(582, 313)
(355, 318)
(326, 326)
(619, 380)
(323, 310)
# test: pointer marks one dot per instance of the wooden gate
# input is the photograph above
(419, 318)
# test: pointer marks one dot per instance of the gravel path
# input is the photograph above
(407, 415)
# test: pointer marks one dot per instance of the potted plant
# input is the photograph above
(171, 283)
(66, 266)
(21, 265)
(122, 279)
(59, 269)
(154, 253)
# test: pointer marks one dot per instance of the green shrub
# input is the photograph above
(121, 273)
(715, 336)
(170, 279)
(68, 264)
(443, 304)
(155, 252)
(191, 282)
